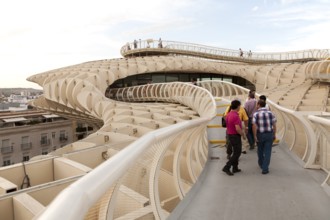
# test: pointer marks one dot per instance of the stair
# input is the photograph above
(216, 133)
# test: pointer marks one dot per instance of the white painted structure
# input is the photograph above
(151, 145)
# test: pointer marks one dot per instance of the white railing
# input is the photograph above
(319, 70)
(180, 47)
(322, 128)
(195, 97)
(76, 201)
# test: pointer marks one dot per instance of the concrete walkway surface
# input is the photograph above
(287, 192)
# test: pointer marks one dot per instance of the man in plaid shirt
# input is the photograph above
(264, 130)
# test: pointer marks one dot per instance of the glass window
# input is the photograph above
(5, 143)
(158, 78)
(194, 76)
(172, 78)
(25, 145)
(216, 77)
(184, 78)
(227, 79)
(6, 161)
(44, 153)
(44, 138)
(146, 76)
(62, 134)
(25, 140)
(26, 158)
(205, 78)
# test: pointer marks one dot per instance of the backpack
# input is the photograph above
(223, 119)
(223, 122)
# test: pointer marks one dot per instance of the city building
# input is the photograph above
(24, 135)
(17, 99)
(152, 140)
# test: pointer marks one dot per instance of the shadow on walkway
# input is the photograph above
(288, 192)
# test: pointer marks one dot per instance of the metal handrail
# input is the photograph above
(151, 45)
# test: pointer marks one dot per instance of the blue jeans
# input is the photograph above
(250, 136)
(265, 142)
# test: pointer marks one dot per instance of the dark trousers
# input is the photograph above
(250, 136)
(236, 143)
(229, 147)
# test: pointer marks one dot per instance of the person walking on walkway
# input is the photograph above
(234, 132)
(250, 107)
(244, 118)
(263, 97)
(264, 130)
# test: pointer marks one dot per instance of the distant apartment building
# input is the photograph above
(24, 135)
(9, 106)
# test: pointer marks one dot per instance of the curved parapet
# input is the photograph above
(163, 184)
(319, 71)
(195, 97)
(161, 47)
(154, 190)
(322, 130)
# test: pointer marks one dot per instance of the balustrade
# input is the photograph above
(7, 149)
(222, 53)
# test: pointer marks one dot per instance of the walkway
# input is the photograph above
(151, 47)
(288, 192)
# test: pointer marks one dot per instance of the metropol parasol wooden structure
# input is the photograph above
(151, 144)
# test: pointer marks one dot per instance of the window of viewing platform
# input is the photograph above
(142, 79)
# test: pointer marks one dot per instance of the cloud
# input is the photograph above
(163, 26)
(315, 36)
(285, 2)
(296, 13)
(301, 24)
(38, 36)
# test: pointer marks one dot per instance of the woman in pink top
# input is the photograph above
(234, 132)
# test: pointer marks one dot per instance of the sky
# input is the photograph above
(39, 35)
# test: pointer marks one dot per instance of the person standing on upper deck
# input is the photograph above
(250, 54)
(135, 43)
(160, 43)
(240, 52)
